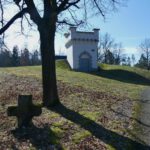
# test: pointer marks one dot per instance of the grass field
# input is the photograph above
(98, 110)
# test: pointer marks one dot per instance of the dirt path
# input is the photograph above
(144, 117)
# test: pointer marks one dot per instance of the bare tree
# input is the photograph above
(109, 49)
(48, 15)
(145, 49)
(106, 45)
(117, 51)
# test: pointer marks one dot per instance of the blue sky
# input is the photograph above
(129, 25)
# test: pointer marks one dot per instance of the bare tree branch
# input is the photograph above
(98, 7)
(33, 11)
(11, 21)
(66, 4)
(69, 23)
(2, 16)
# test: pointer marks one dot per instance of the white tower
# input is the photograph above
(82, 49)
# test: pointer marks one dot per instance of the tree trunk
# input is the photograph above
(47, 37)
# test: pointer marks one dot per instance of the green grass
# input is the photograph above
(142, 72)
(121, 79)
(120, 82)
(117, 80)
(77, 137)
(88, 95)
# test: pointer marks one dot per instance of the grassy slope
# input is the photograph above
(121, 79)
(112, 84)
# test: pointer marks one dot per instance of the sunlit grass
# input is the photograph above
(90, 81)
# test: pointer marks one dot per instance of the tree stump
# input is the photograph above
(25, 110)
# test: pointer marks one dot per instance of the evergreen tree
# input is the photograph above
(5, 58)
(142, 62)
(128, 61)
(109, 57)
(25, 58)
(35, 58)
(15, 56)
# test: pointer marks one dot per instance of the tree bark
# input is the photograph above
(47, 37)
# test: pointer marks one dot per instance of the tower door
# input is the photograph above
(85, 62)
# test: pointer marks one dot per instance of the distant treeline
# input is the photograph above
(18, 57)
(23, 57)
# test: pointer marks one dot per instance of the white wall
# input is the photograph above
(69, 52)
(79, 47)
(84, 35)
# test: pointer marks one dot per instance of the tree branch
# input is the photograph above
(11, 21)
(33, 11)
(47, 8)
(62, 5)
(66, 4)
(68, 23)
(98, 7)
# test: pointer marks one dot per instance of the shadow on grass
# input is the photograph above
(41, 138)
(117, 141)
(123, 76)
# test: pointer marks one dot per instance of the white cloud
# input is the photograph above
(132, 50)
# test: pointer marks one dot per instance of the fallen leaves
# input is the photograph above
(94, 105)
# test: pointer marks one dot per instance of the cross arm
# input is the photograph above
(36, 110)
(12, 111)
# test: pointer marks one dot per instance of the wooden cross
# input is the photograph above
(25, 110)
